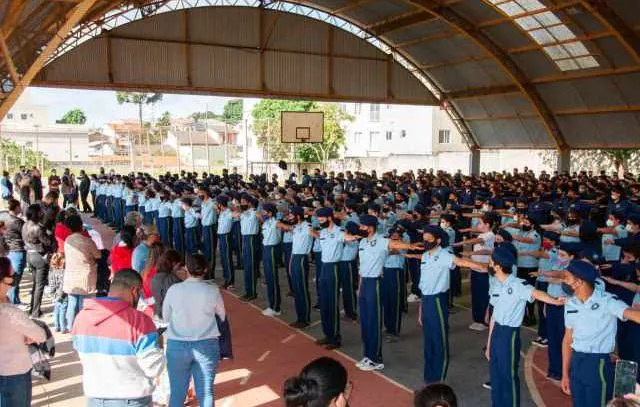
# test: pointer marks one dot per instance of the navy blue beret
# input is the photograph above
(571, 247)
(583, 270)
(324, 212)
(504, 257)
(297, 211)
(505, 235)
(352, 228)
(435, 231)
(269, 207)
(553, 236)
(222, 200)
(368, 220)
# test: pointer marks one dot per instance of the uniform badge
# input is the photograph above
(510, 291)
(595, 306)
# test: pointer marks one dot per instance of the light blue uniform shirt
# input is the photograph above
(570, 239)
(271, 235)
(611, 252)
(636, 300)
(129, 197)
(332, 244)
(594, 322)
(117, 191)
(476, 220)
(412, 201)
(373, 254)
(100, 189)
(142, 200)
(287, 237)
(353, 217)
(350, 251)
(152, 204)
(93, 186)
(528, 261)
(176, 209)
(396, 260)
(249, 223)
(208, 212)
(552, 264)
(509, 299)
(302, 240)
(190, 218)
(316, 243)
(452, 238)
(434, 271)
(164, 210)
(225, 222)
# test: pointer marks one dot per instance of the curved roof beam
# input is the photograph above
(503, 59)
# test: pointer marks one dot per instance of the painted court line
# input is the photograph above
(245, 379)
(288, 338)
(264, 356)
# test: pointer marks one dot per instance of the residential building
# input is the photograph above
(205, 144)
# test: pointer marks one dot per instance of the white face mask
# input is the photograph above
(485, 208)
(443, 225)
(609, 223)
(629, 228)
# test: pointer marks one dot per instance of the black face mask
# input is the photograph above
(526, 228)
(567, 289)
(492, 271)
(202, 197)
(362, 233)
(324, 224)
(430, 245)
(244, 207)
(521, 210)
(572, 221)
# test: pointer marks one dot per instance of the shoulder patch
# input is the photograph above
(572, 311)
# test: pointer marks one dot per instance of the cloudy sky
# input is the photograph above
(101, 107)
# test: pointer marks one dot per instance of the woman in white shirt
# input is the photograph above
(16, 331)
(190, 308)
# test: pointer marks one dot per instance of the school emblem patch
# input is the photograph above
(595, 306)
(510, 291)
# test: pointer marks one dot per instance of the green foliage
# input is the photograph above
(232, 113)
(140, 99)
(74, 116)
(164, 120)
(11, 156)
(199, 116)
(266, 126)
(598, 160)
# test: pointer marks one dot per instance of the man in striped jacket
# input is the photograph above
(118, 346)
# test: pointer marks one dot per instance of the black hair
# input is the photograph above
(318, 384)
(128, 236)
(435, 395)
(74, 222)
(34, 213)
(13, 204)
(197, 265)
(168, 260)
(125, 279)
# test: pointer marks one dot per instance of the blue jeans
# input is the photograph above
(141, 402)
(15, 391)
(192, 358)
(73, 308)
(60, 315)
(18, 262)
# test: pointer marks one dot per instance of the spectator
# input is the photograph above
(435, 395)
(118, 346)
(131, 219)
(15, 360)
(4, 249)
(6, 187)
(36, 184)
(60, 300)
(80, 272)
(141, 252)
(170, 271)
(190, 308)
(84, 187)
(123, 251)
(17, 254)
(61, 231)
(39, 245)
(50, 208)
(68, 191)
(148, 273)
(322, 383)
(25, 190)
(54, 181)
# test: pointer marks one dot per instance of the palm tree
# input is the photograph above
(140, 99)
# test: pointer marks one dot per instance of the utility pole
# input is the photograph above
(131, 152)
(246, 148)
(206, 145)
(193, 161)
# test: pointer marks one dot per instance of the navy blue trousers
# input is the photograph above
(503, 366)
(108, 210)
(370, 300)
(392, 299)
(270, 261)
(414, 272)
(236, 241)
(479, 295)
(300, 279)
(317, 256)
(117, 212)
(209, 243)
(542, 319)
(329, 310)
(591, 379)
(286, 249)
(628, 337)
(150, 217)
(435, 334)
(178, 235)
(555, 334)
(164, 230)
(228, 272)
(191, 240)
(99, 209)
(249, 251)
(456, 283)
(349, 284)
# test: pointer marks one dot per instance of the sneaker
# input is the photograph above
(363, 362)
(486, 385)
(392, 338)
(299, 325)
(413, 298)
(268, 312)
(316, 307)
(322, 341)
(540, 342)
(476, 326)
(370, 366)
(332, 346)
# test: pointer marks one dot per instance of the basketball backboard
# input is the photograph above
(302, 127)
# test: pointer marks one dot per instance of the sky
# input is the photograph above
(101, 107)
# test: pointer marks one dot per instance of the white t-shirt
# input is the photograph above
(489, 239)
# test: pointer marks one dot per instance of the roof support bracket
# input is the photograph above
(7, 57)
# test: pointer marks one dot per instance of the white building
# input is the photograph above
(27, 125)
(202, 144)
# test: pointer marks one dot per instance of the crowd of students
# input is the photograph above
(557, 250)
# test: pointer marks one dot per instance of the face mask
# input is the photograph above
(202, 197)
(526, 228)
(430, 245)
(244, 207)
(547, 245)
(566, 288)
(324, 224)
(521, 210)
(572, 221)
(443, 225)
(363, 233)
(629, 228)
(609, 223)
(492, 271)
(485, 208)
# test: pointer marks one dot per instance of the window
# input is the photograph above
(10, 116)
(23, 116)
(31, 115)
(357, 136)
(557, 40)
(403, 133)
(389, 135)
(357, 109)
(444, 136)
(374, 113)
(373, 135)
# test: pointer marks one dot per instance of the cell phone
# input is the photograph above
(625, 380)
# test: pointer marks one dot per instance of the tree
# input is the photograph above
(12, 156)
(74, 116)
(620, 160)
(199, 116)
(232, 113)
(140, 99)
(334, 135)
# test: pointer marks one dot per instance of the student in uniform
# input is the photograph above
(164, 218)
(302, 242)
(177, 218)
(446, 224)
(191, 227)
(393, 278)
(236, 237)
(349, 274)
(209, 217)
(317, 259)
(287, 244)
(225, 224)
(151, 213)
(591, 322)
(373, 251)
(130, 198)
(271, 237)
(249, 228)
(614, 229)
(527, 239)
(509, 296)
(331, 239)
(142, 201)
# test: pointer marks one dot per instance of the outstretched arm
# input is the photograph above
(546, 298)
